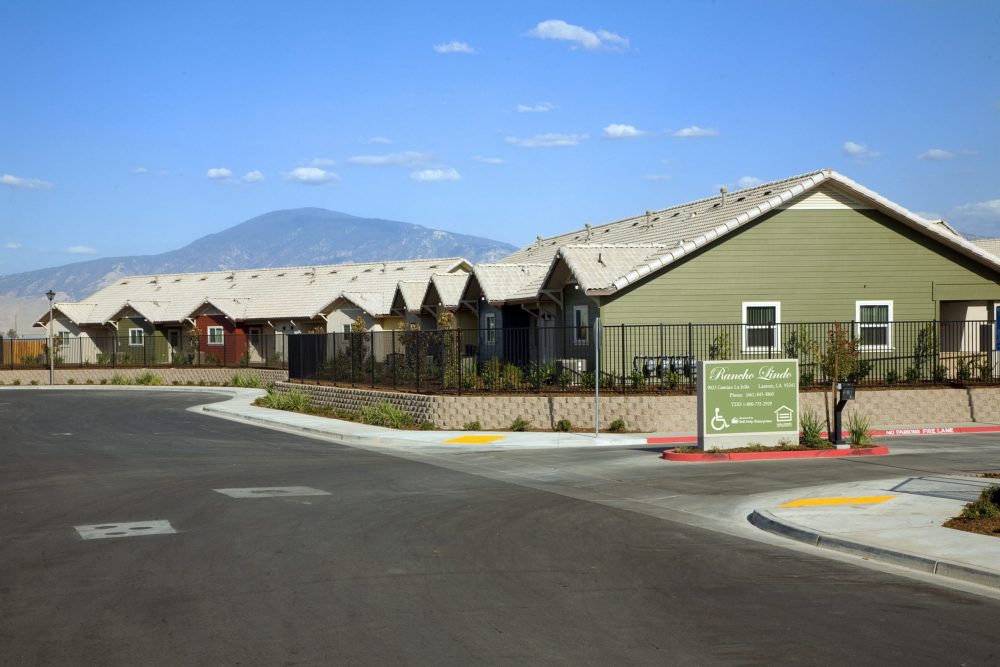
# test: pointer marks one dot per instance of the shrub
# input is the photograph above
(940, 374)
(472, 426)
(247, 380)
(384, 413)
(175, 382)
(617, 426)
(807, 378)
(104, 380)
(963, 370)
(985, 371)
(211, 360)
(563, 425)
(89, 381)
(540, 373)
(34, 382)
(891, 376)
(912, 374)
(70, 381)
(427, 425)
(587, 379)
(987, 506)
(520, 424)
(16, 383)
(510, 377)
(812, 427)
(858, 426)
(672, 380)
(149, 379)
(638, 380)
(118, 378)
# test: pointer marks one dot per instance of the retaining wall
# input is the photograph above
(655, 414)
(169, 376)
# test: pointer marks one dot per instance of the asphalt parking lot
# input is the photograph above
(377, 558)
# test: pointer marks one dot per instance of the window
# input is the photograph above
(760, 326)
(135, 337)
(491, 328)
(873, 324)
(347, 329)
(580, 320)
(215, 336)
(64, 337)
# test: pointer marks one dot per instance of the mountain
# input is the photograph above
(294, 237)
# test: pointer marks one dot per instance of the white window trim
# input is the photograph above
(577, 338)
(64, 337)
(132, 337)
(222, 336)
(490, 322)
(777, 328)
(888, 326)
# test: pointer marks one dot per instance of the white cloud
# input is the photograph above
(24, 183)
(254, 176)
(860, 151)
(322, 162)
(579, 36)
(377, 140)
(546, 140)
(656, 177)
(218, 174)
(406, 159)
(10, 245)
(140, 170)
(487, 160)
(454, 47)
(619, 131)
(541, 107)
(695, 131)
(311, 176)
(981, 218)
(936, 154)
(435, 175)
(80, 250)
(748, 182)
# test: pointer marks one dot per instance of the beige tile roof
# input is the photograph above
(260, 294)
(683, 229)
(991, 246)
(373, 303)
(449, 287)
(510, 282)
(412, 293)
(596, 267)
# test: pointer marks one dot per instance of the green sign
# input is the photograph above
(741, 402)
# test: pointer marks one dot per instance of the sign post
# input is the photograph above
(747, 402)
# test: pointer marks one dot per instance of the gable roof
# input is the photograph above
(505, 282)
(412, 294)
(675, 232)
(449, 288)
(255, 294)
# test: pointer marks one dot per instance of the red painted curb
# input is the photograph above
(670, 455)
(888, 433)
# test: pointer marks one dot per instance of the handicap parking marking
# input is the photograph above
(100, 531)
(826, 502)
(272, 492)
(474, 439)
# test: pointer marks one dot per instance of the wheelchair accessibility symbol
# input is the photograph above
(719, 422)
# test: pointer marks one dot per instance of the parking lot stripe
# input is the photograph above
(272, 492)
(100, 531)
(819, 502)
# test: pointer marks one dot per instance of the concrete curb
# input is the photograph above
(769, 523)
(712, 457)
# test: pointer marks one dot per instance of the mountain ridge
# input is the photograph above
(287, 237)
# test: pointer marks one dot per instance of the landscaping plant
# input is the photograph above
(858, 425)
(520, 424)
(563, 425)
(617, 426)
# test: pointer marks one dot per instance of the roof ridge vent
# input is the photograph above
(649, 223)
(587, 227)
(722, 191)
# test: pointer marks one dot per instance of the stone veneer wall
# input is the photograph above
(169, 376)
(985, 405)
(647, 414)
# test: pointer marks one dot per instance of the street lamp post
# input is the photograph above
(52, 347)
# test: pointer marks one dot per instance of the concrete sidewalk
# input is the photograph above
(897, 521)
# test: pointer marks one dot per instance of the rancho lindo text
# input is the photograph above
(764, 373)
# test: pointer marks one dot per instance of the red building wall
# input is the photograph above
(234, 340)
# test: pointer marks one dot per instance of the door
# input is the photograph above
(174, 340)
(255, 350)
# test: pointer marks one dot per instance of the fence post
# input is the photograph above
(597, 377)
(392, 356)
(371, 348)
(690, 357)
(417, 346)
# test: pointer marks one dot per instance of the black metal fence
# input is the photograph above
(644, 358)
(229, 350)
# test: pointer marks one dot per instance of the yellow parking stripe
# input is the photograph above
(815, 502)
(474, 439)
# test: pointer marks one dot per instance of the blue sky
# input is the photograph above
(134, 128)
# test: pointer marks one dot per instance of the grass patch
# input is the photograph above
(149, 379)
(472, 426)
(245, 380)
(386, 414)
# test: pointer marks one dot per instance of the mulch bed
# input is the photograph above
(981, 526)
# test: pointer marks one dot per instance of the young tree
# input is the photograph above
(838, 362)
(11, 333)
